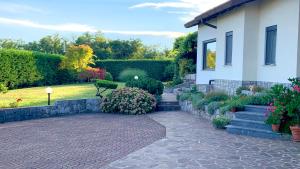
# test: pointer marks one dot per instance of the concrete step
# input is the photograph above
(168, 108)
(247, 115)
(251, 124)
(169, 103)
(254, 132)
(254, 108)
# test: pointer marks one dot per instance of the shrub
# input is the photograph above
(184, 96)
(225, 108)
(217, 96)
(104, 85)
(3, 88)
(212, 107)
(150, 85)
(129, 74)
(154, 68)
(65, 76)
(132, 101)
(220, 121)
(91, 73)
(262, 99)
(47, 66)
(195, 98)
(169, 72)
(108, 76)
(200, 105)
(20, 68)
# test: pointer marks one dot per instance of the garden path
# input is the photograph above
(191, 143)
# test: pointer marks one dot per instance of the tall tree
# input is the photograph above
(78, 57)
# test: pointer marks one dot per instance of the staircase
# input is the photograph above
(251, 122)
(168, 106)
(168, 103)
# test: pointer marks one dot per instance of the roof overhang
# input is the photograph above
(215, 12)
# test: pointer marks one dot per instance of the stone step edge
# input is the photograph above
(249, 121)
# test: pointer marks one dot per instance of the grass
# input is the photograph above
(36, 96)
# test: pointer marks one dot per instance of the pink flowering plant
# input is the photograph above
(132, 101)
(277, 108)
(293, 106)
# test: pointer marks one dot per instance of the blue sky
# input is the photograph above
(155, 22)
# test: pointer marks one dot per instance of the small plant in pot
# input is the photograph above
(274, 117)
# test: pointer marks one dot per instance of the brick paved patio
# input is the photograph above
(82, 141)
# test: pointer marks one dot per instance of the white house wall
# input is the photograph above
(233, 21)
(284, 14)
(248, 24)
(205, 33)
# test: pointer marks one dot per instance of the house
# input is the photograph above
(248, 42)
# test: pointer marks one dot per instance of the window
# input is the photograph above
(209, 54)
(228, 48)
(271, 36)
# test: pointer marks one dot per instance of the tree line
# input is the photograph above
(103, 48)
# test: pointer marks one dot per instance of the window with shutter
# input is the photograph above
(271, 36)
(228, 48)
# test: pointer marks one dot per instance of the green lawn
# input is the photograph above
(37, 96)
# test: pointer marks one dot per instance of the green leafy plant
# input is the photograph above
(274, 117)
(185, 96)
(213, 106)
(217, 96)
(103, 85)
(261, 99)
(3, 88)
(195, 97)
(200, 104)
(132, 101)
(129, 74)
(220, 121)
(150, 85)
(108, 76)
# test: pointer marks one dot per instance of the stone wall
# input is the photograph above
(230, 86)
(188, 107)
(60, 108)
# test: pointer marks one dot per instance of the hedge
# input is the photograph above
(154, 68)
(20, 68)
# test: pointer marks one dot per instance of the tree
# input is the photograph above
(78, 57)
(11, 44)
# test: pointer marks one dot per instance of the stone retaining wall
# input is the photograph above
(230, 86)
(188, 107)
(60, 108)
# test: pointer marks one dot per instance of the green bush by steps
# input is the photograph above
(154, 68)
(20, 68)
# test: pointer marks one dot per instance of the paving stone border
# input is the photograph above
(60, 108)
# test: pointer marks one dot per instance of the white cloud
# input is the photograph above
(75, 27)
(190, 8)
(18, 8)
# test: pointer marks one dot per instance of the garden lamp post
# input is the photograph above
(49, 91)
(136, 77)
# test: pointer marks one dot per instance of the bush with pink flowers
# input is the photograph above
(131, 101)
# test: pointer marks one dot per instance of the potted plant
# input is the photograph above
(293, 108)
(274, 117)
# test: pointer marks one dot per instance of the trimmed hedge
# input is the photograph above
(154, 68)
(20, 68)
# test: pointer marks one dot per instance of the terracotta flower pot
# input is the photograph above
(275, 127)
(296, 133)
